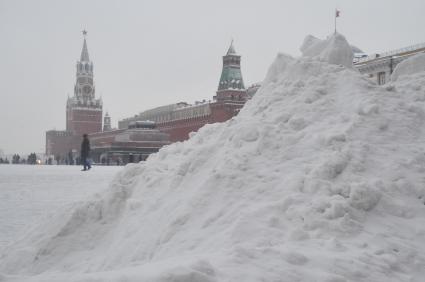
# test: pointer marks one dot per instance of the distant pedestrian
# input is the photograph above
(85, 153)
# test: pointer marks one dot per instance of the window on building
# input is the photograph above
(381, 78)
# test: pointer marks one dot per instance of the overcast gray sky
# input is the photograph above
(151, 53)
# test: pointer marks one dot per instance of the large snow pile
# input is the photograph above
(410, 66)
(319, 178)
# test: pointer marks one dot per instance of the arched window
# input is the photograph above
(87, 67)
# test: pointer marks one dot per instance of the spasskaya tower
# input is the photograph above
(83, 110)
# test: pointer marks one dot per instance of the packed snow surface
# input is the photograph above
(410, 66)
(319, 178)
(29, 193)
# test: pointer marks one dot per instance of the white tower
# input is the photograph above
(107, 122)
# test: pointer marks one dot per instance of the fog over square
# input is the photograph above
(151, 53)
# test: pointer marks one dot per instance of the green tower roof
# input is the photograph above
(231, 78)
(231, 75)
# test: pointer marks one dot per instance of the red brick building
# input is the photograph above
(60, 142)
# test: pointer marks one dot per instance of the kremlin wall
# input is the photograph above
(178, 120)
(145, 133)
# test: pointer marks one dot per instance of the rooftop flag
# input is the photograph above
(337, 12)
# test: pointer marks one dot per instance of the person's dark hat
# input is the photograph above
(84, 135)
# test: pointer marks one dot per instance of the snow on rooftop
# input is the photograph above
(319, 178)
(410, 66)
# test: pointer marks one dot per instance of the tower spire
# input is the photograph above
(231, 50)
(85, 52)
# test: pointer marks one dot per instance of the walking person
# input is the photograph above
(85, 151)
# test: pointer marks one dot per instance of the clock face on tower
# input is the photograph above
(86, 89)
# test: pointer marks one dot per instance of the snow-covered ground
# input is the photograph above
(320, 177)
(28, 193)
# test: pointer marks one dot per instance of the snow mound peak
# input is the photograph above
(318, 178)
(277, 68)
(334, 50)
(410, 66)
(309, 41)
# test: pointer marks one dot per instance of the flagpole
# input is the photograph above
(335, 20)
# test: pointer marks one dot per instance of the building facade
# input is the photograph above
(59, 144)
(379, 67)
(129, 145)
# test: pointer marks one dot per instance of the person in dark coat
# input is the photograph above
(85, 152)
